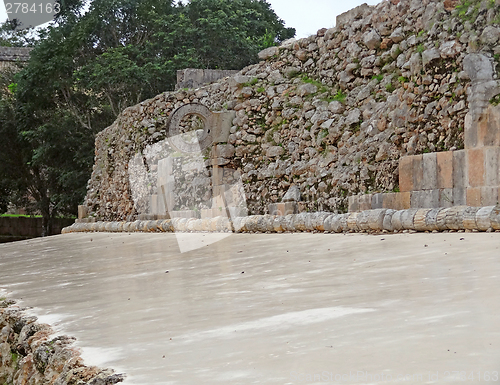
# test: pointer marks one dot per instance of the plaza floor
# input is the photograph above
(269, 308)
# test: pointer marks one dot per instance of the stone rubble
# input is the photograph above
(30, 354)
(332, 113)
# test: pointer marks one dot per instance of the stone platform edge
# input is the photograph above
(457, 218)
(30, 353)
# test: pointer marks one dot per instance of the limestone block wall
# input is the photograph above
(332, 114)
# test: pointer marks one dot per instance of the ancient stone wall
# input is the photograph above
(332, 113)
(194, 78)
(11, 55)
(31, 354)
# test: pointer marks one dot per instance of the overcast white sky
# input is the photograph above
(306, 16)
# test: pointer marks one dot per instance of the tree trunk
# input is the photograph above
(46, 217)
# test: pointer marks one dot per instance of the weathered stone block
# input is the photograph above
(268, 53)
(377, 201)
(475, 159)
(274, 151)
(470, 133)
(418, 172)
(406, 174)
(353, 203)
(460, 196)
(397, 201)
(83, 212)
(372, 39)
(365, 202)
(491, 166)
(444, 169)
(425, 199)
(460, 169)
(446, 198)
(489, 196)
(283, 209)
(429, 171)
(488, 128)
(221, 123)
(474, 196)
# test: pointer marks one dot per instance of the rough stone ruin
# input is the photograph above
(195, 78)
(10, 55)
(395, 107)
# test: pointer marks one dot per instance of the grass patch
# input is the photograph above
(465, 12)
(339, 97)
(390, 88)
(495, 100)
(19, 216)
(420, 48)
(252, 82)
(378, 77)
(321, 87)
(402, 79)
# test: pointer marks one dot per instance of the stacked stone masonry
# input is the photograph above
(334, 114)
(451, 178)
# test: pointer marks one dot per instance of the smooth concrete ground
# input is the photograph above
(271, 308)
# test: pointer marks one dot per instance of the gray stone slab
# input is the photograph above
(425, 199)
(470, 132)
(365, 202)
(491, 166)
(460, 169)
(429, 164)
(353, 203)
(377, 201)
(266, 309)
(418, 172)
(446, 198)
(460, 196)
(489, 196)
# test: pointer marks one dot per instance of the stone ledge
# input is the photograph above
(438, 219)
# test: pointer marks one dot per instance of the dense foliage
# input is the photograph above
(89, 66)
